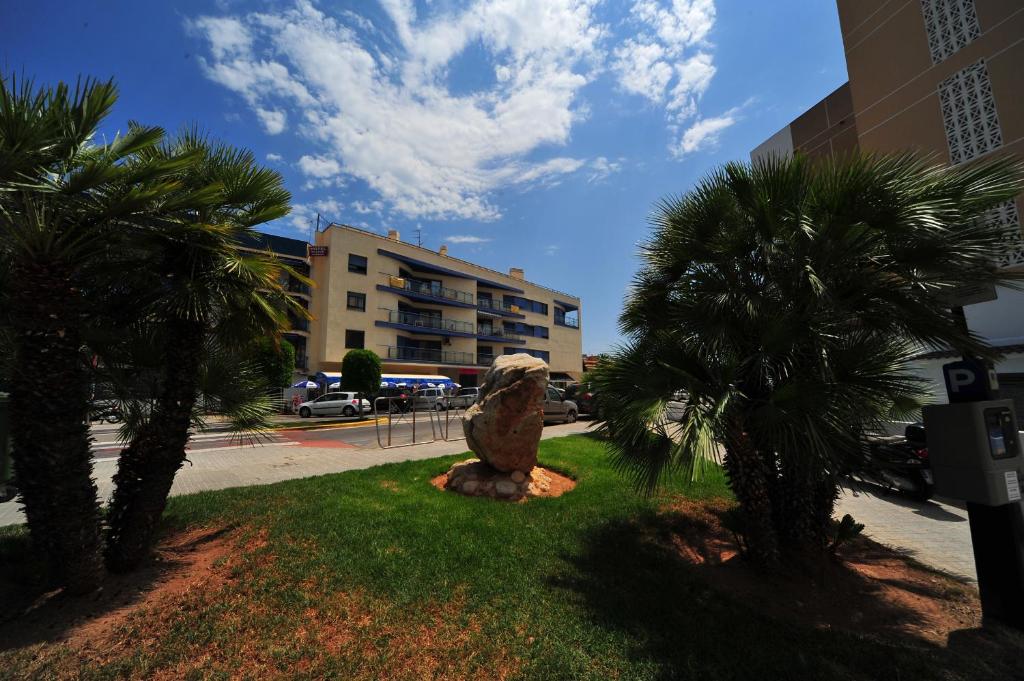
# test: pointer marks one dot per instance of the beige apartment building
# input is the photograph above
(945, 78)
(427, 313)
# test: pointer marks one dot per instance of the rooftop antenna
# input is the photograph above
(419, 236)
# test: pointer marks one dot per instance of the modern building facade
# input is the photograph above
(425, 312)
(941, 77)
(422, 311)
(293, 253)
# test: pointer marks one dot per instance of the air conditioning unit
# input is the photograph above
(396, 282)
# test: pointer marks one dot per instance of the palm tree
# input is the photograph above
(206, 296)
(786, 299)
(64, 204)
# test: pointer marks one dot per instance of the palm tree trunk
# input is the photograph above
(146, 469)
(50, 425)
(803, 501)
(750, 481)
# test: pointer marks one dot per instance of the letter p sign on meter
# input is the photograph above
(970, 380)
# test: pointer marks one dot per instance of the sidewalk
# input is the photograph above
(933, 532)
(265, 464)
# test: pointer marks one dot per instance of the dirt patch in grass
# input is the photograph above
(182, 562)
(867, 589)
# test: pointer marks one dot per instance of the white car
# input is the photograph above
(334, 404)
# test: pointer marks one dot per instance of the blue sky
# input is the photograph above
(531, 133)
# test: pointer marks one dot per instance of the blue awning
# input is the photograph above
(419, 381)
(424, 266)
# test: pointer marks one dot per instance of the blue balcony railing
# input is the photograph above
(427, 321)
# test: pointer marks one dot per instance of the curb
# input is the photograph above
(332, 426)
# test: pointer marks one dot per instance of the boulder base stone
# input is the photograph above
(504, 425)
(475, 478)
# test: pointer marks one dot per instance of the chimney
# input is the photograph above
(443, 250)
(393, 234)
(516, 273)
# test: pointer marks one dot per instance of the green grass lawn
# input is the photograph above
(377, 574)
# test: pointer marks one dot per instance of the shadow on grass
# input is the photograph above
(35, 612)
(665, 586)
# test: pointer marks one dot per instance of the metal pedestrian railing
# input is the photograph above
(398, 411)
(441, 422)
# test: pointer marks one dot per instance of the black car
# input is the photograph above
(584, 396)
(394, 400)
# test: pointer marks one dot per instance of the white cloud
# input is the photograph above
(683, 22)
(228, 37)
(551, 250)
(669, 62)
(467, 239)
(319, 166)
(273, 121)
(274, 157)
(388, 112)
(601, 169)
(371, 207)
(642, 69)
(705, 132)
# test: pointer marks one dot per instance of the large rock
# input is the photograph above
(503, 426)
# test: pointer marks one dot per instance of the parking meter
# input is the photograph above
(975, 451)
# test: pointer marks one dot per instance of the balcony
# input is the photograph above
(405, 354)
(485, 360)
(294, 286)
(500, 334)
(429, 322)
(427, 291)
(295, 324)
(564, 321)
(497, 307)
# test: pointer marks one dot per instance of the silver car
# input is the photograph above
(557, 408)
(463, 398)
(334, 404)
(429, 398)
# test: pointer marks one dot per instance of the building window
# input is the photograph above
(356, 301)
(527, 305)
(539, 354)
(950, 24)
(1007, 216)
(354, 340)
(357, 263)
(969, 113)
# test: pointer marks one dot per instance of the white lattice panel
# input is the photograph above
(1007, 216)
(950, 24)
(969, 113)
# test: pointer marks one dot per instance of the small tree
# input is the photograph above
(360, 372)
(787, 300)
(276, 361)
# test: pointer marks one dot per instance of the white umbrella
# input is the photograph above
(431, 385)
(334, 386)
(305, 384)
